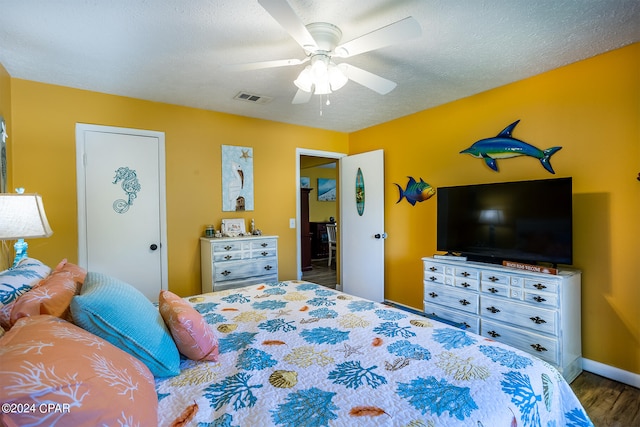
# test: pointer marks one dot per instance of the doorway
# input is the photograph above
(121, 205)
(311, 225)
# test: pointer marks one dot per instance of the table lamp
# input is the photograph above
(22, 217)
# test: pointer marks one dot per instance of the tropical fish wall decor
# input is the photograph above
(416, 191)
(504, 146)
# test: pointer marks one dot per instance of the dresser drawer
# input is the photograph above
(541, 285)
(467, 273)
(451, 297)
(544, 347)
(495, 290)
(430, 267)
(534, 318)
(242, 269)
(260, 244)
(541, 299)
(493, 277)
(223, 247)
(433, 277)
(466, 283)
(226, 256)
(472, 322)
(263, 253)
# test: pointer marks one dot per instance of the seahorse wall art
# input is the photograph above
(504, 146)
(131, 187)
(415, 191)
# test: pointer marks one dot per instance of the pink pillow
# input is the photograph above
(52, 295)
(45, 359)
(191, 333)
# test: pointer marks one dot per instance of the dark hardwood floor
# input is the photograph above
(321, 273)
(608, 403)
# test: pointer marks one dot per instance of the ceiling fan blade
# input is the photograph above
(264, 64)
(282, 12)
(301, 97)
(367, 79)
(405, 29)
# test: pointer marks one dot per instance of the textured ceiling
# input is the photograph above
(175, 51)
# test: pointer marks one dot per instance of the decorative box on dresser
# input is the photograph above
(232, 262)
(535, 312)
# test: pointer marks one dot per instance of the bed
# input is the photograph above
(289, 353)
(299, 354)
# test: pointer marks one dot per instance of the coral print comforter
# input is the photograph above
(299, 354)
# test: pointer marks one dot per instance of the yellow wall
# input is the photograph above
(43, 135)
(591, 109)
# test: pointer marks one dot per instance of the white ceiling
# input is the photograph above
(174, 51)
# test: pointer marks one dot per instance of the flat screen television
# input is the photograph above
(524, 221)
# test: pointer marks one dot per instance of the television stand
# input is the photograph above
(534, 312)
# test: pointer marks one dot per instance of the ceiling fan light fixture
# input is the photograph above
(305, 79)
(337, 79)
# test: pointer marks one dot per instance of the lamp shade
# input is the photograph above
(22, 216)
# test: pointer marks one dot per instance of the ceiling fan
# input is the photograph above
(320, 41)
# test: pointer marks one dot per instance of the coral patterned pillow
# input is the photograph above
(17, 281)
(92, 383)
(193, 336)
(52, 295)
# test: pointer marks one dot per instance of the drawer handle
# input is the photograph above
(493, 290)
(537, 320)
(264, 245)
(538, 347)
(465, 285)
(494, 278)
(493, 309)
(538, 299)
(493, 334)
(433, 295)
(433, 269)
(228, 257)
(539, 286)
(228, 248)
(433, 279)
(465, 274)
(226, 273)
(264, 253)
(464, 302)
(267, 267)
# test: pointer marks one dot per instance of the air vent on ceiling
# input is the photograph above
(250, 97)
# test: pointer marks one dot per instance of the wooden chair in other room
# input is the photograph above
(331, 239)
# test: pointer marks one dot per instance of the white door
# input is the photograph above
(361, 225)
(121, 205)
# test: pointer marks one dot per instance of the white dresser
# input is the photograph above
(232, 262)
(534, 312)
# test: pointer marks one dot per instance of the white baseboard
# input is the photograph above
(611, 372)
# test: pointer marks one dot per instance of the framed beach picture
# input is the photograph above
(326, 190)
(233, 227)
(237, 178)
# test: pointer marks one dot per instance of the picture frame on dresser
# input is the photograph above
(233, 227)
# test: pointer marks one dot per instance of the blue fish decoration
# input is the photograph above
(504, 146)
(416, 191)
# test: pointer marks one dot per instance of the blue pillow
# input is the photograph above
(123, 316)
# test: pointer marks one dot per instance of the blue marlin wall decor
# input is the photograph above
(504, 146)
(415, 191)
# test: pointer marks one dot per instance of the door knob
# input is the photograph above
(381, 236)
(153, 247)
